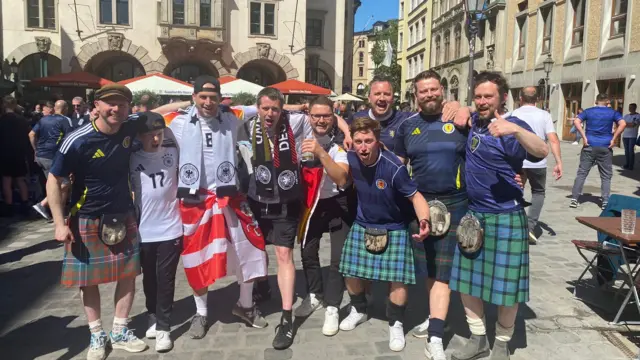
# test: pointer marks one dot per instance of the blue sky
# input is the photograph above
(379, 9)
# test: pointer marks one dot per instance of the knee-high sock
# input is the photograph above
(477, 326)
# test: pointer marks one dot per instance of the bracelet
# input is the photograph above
(427, 220)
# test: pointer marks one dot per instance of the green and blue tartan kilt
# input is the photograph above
(500, 272)
(434, 256)
(394, 265)
(88, 261)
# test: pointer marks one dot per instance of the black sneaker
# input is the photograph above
(284, 335)
(604, 205)
(573, 204)
(42, 211)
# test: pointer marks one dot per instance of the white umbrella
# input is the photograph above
(160, 84)
(346, 97)
(239, 86)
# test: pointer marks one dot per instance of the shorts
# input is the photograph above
(14, 166)
(278, 222)
(45, 165)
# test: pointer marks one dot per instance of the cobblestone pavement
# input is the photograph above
(40, 319)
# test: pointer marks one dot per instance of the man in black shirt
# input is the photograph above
(14, 150)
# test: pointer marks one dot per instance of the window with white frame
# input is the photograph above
(205, 13)
(41, 14)
(360, 71)
(409, 69)
(423, 26)
(401, 10)
(421, 62)
(447, 43)
(411, 36)
(418, 32)
(400, 41)
(360, 43)
(547, 18)
(577, 36)
(619, 17)
(437, 53)
(262, 18)
(314, 32)
(521, 23)
(119, 8)
(361, 57)
(436, 8)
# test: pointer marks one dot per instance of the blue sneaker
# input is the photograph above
(98, 346)
(126, 340)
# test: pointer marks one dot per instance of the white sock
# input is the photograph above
(119, 324)
(95, 326)
(201, 304)
(502, 333)
(477, 326)
(246, 295)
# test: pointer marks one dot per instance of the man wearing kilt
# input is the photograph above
(436, 151)
(101, 243)
(378, 246)
(496, 269)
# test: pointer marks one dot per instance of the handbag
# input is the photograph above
(113, 228)
(376, 240)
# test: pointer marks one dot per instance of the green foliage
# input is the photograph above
(244, 98)
(154, 98)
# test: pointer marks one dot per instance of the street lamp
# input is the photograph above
(473, 9)
(14, 69)
(548, 65)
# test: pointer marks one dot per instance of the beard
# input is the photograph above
(431, 106)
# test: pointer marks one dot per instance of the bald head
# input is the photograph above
(528, 95)
(60, 107)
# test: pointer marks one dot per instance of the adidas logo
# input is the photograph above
(98, 154)
(416, 132)
(140, 168)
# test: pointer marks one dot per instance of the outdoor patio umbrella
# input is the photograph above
(346, 97)
(296, 87)
(160, 84)
(226, 79)
(239, 86)
(79, 79)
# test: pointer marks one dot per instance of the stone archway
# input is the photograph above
(262, 72)
(40, 45)
(265, 53)
(316, 69)
(116, 42)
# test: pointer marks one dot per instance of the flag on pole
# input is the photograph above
(388, 58)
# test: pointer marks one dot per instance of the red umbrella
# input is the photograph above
(79, 79)
(293, 86)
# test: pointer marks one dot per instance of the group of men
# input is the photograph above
(213, 185)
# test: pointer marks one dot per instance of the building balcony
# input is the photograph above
(191, 34)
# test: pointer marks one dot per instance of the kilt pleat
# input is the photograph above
(500, 273)
(88, 261)
(394, 265)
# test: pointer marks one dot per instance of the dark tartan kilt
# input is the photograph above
(88, 261)
(394, 265)
(434, 256)
(500, 273)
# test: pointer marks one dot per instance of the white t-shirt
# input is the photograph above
(541, 123)
(631, 131)
(329, 188)
(154, 179)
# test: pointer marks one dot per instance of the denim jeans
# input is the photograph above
(629, 152)
(590, 156)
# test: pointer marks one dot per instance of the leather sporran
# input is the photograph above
(113, 228)
(470, 234)
(376, 240)
(440, 218)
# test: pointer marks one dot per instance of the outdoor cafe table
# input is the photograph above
(611, 226)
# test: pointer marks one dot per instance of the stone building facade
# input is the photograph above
(414, 37)
(263, 41)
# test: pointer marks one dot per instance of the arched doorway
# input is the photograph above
(262, 72)
(38, 65)
(189, 71)
(360, 89)
(445, 87)
(115, 66)
(317, 76)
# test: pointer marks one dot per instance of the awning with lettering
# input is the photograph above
(80, 79)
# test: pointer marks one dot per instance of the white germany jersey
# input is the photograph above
(154, 178)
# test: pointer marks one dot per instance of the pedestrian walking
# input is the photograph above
(630, 136)
(14, 152)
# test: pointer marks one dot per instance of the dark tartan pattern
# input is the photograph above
(395, 264)
(434, 256)
(88, 261)
(500, 273)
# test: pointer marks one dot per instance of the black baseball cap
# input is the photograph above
(206, 83)
(150, 121)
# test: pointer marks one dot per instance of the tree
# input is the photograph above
(378, 53)
(244, 98)
(150, 98)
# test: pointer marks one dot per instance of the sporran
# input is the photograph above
(113, 228)
(470, 234)
(376, 240)
(440, 218)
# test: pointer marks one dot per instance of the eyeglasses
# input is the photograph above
(76, 105)
(321, 116)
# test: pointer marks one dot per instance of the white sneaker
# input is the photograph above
(308, 306)
(97, 346)
(434, 350)
(354, 319)
(421, 331)
(396, 337)
(574, 143)
(163, 341)
(331, 321)
(151, 332)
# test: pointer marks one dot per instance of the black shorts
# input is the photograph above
(14, 166)
(278, 222)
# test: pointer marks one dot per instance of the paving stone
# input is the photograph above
(273, 354)
(243, 354)
(359, 348)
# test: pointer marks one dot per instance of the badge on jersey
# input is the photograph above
(167, 160)
(475, 142)
(126, 142)
(225, 172)
(381, 184)
(448, 128)
(392, 133)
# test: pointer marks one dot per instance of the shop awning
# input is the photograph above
(227, 79)
(160, 84)
(296, 87)
(79, 79)
(346, 97)
(239, 86)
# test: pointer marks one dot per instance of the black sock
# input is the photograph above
(395, 312)
(286, 316)
(359, 302)
(263, 286)
(436, 328)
